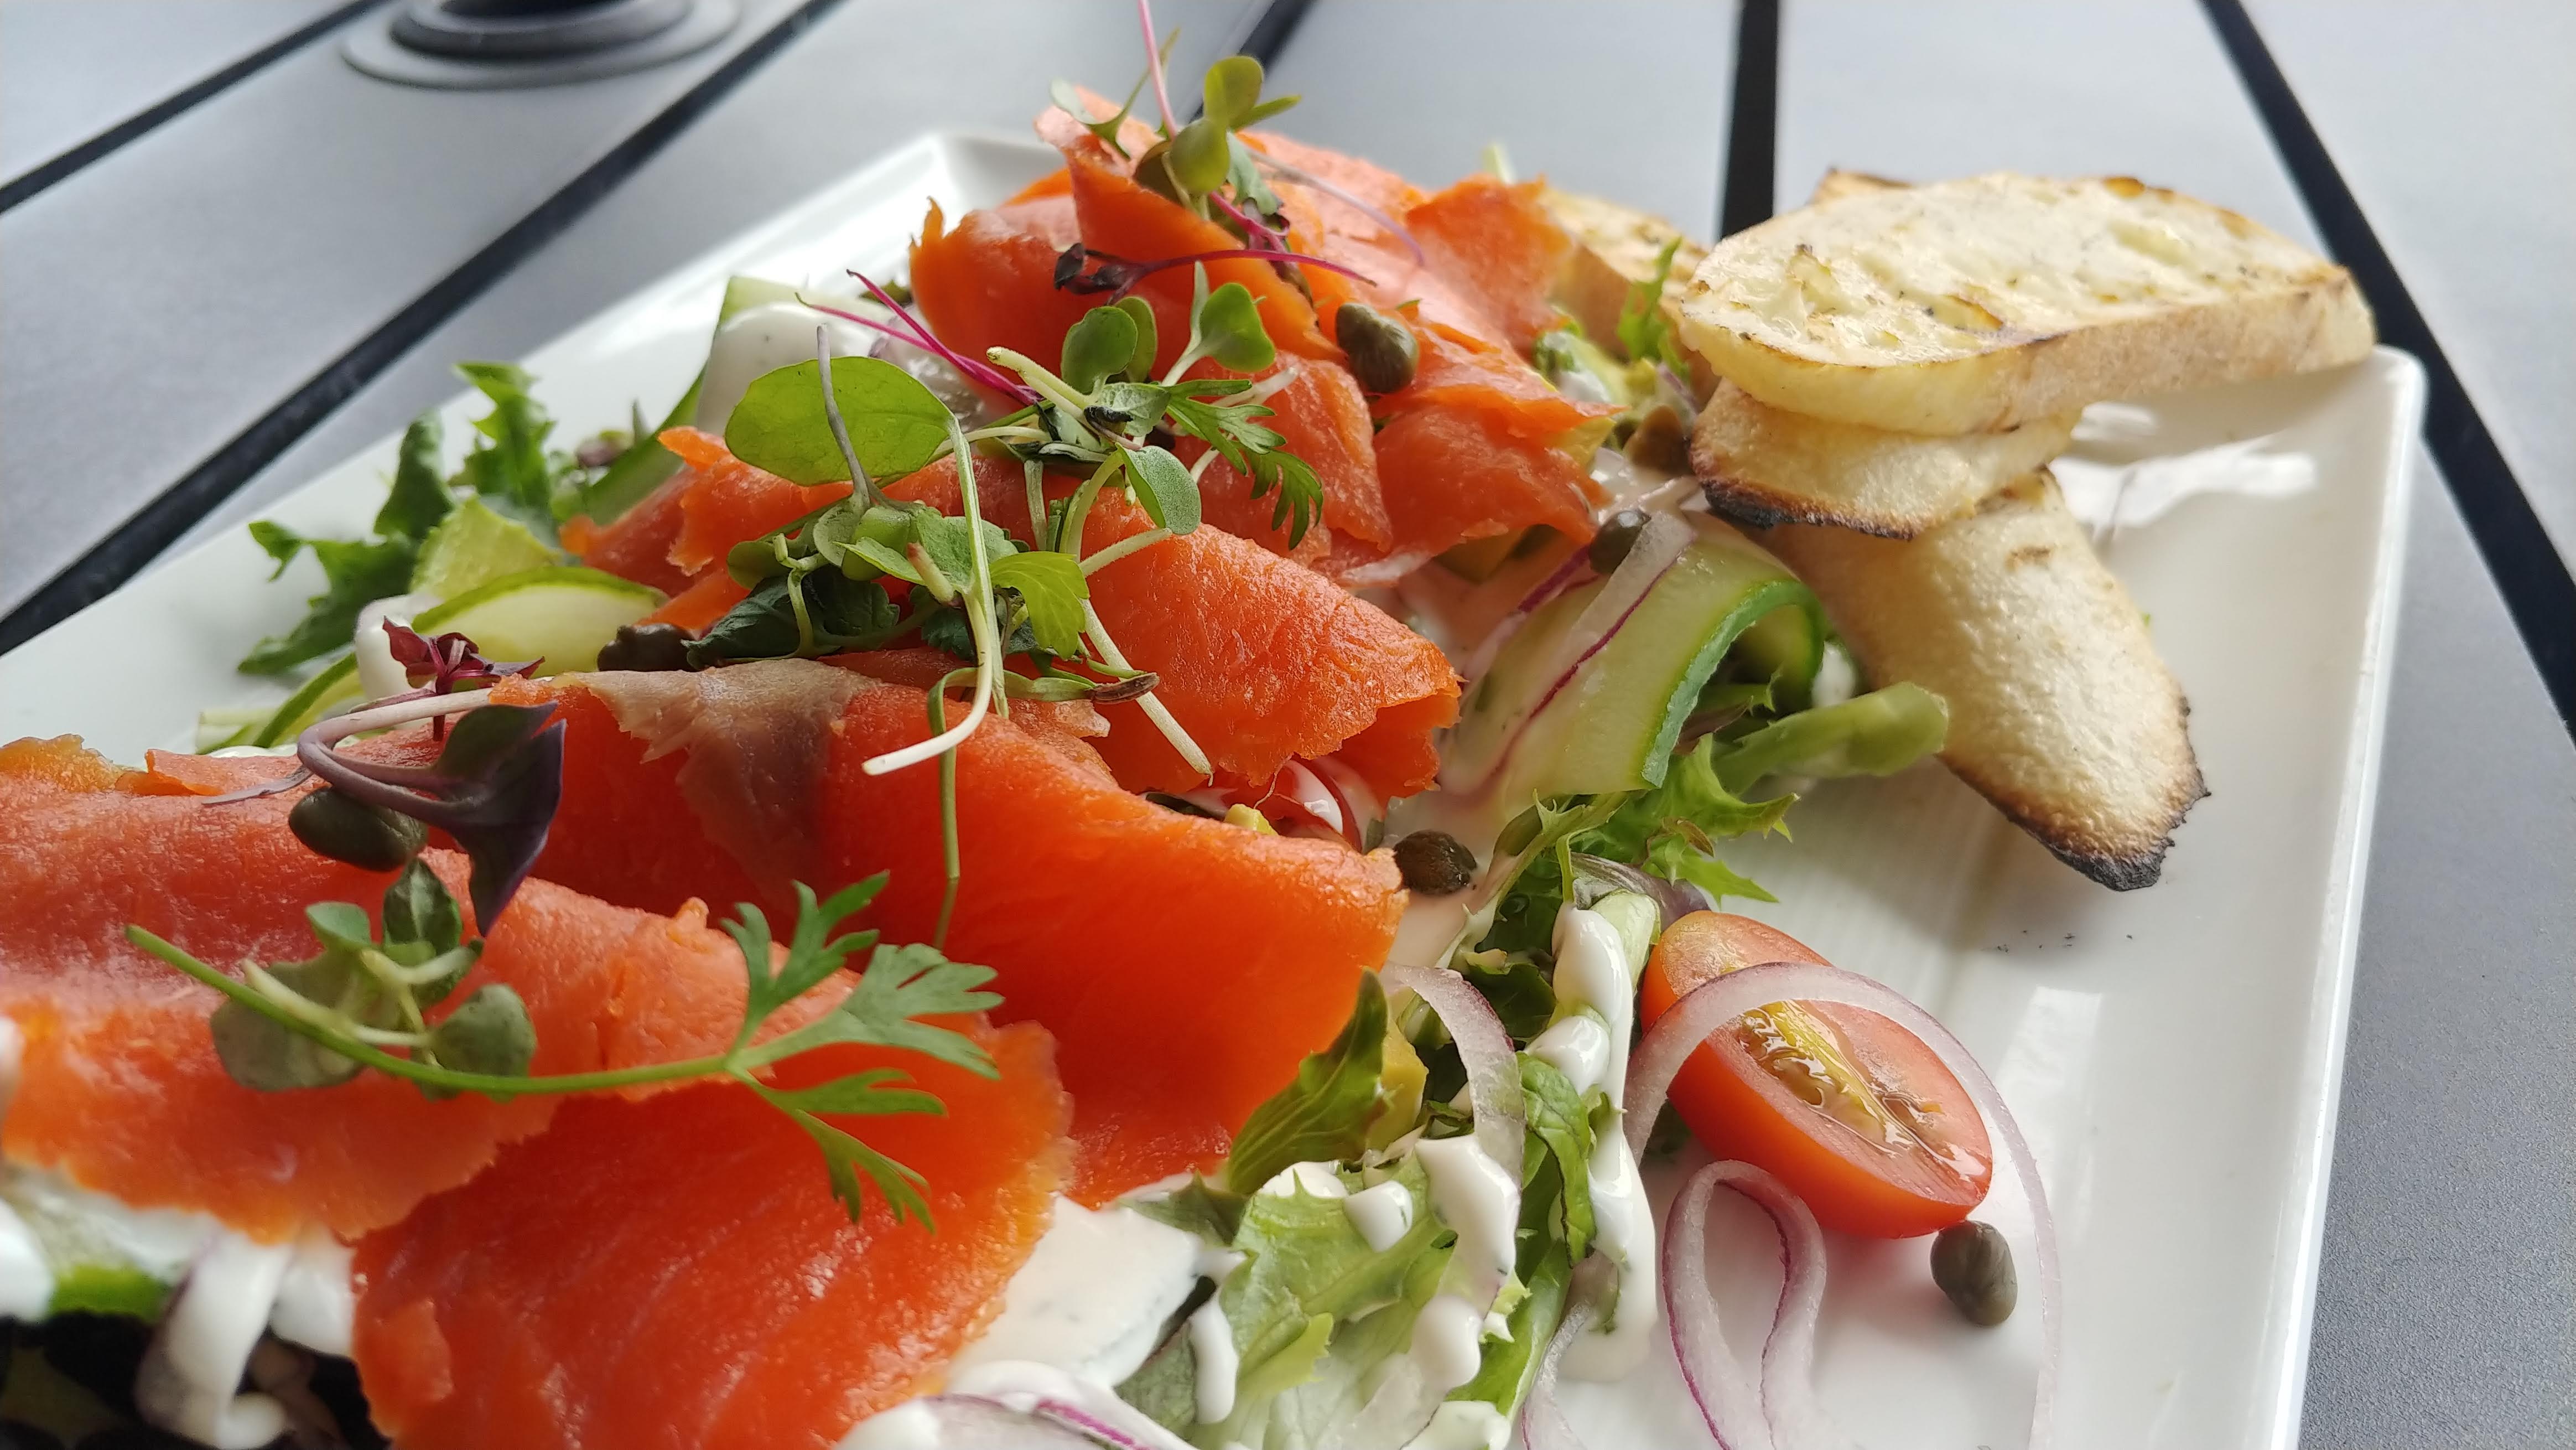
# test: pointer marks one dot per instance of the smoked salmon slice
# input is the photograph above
(637, 543)
(728, 500)
(1119, 216)
(673, 1274)
(1262, 660)
(1184, 966)
(990, 281)
(120, 1088)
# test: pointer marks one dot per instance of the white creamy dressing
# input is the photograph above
(1481, 1203)
(1593, 984)
(1093, 1295)
(1314, 1180)
(1019, 1386)
(378, 673)
(1383, 1214)
(232, 1289)
(1212, 1349)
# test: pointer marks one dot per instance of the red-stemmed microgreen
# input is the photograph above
(1299, 176)
(909, 330)
(1085, 272)
(362, 1003)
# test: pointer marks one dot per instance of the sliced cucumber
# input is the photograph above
(1613, 723)
(561, 615)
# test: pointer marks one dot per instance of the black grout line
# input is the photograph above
(1266, 33)
(164, 520)
(1752, 131)
(134, 127)
(2538, 591)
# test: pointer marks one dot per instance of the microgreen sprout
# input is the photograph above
(1084, 272)
(362, 1003)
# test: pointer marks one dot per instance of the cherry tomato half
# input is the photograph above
(1841, 1104)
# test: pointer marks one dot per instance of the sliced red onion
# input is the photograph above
(1360, 805)
(1658, 547)
(1493, 1072)
(1729, 1401)
(1043, 1393)
(1311, 795)
(1721, 1000)
(1576, 568)
(1596, 876)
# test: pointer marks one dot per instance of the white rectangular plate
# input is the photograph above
(2173, 1053)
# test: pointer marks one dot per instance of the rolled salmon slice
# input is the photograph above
(1183, 965)
(674, 1274)
(1261, 659)
(120, 1088)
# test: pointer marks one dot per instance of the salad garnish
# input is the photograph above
(362, 1001)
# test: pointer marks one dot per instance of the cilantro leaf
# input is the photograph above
(1051, 589)
(901, 985)
(355, 574)
(845, 1158)
(1254, 450)
(1322, 1115)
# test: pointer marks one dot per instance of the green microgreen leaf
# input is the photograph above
(805, 615)
(1164, 486)
(1065, 95)
(1051, 589)
(895, 423)
(1230, 330)
(1102, 343)
(1323, 1115)
(845, 1158)
(1140, 363)
(488, 1034)
(1231, 88)
(420, 911)
(1196, 157)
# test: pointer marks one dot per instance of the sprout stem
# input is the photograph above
(1133, 543)
(1195, 758)
(840, 432)
(1154, 63)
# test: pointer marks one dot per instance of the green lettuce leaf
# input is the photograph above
(1323, 1115)
(355, 573)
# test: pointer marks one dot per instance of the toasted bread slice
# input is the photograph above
(1839, 183)
(1971, 306)
(1615, 247)
(1766, 465)
(2060, 712)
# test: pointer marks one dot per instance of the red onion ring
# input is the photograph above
(1720, 1000)
(1564, 577)
(1729, 1401)
(1493, 1071)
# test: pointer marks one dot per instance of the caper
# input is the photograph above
(646, 647)
(1434, 863)
(1382, 350)
(1973, 1265)
(347, 829)
(1661, 441)
(1617, 536)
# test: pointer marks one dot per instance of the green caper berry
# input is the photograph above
(1382, 351)
(1974, 1266)
(349, 830)
(1617, 536)
(646, 647)
(1434, 863)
